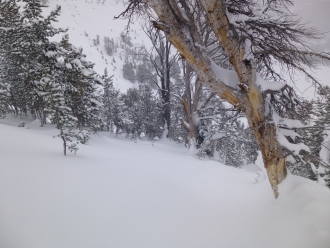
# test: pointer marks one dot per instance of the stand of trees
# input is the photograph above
(46, 79)
(200, 98)
(252, 36)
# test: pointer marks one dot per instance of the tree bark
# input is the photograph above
(249, 99)
(190, 101)
(64, 143)
(192, 126)
(162, 60)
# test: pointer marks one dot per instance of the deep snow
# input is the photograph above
(118, 193)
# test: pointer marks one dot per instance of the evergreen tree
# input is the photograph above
(4, 107)
(222, 136)
(46, 78)
(109, 46)
(81, 87)
(61, 115)
(144, 75)
(33, 48)
(319, 137)
(23, 54)
(126, 39)
(143, 113)
(128, 71)
(33, 9)
(109, 100)
(10, 32)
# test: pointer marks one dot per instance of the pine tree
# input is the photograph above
(143, 113)
(4, 107)
(33, 9)
(109, 101)
(319, 138)
(128, 71)
(60, 114)
(46, 78)
(23, 54)
(109, 46)
(34, 47)
(81, 87)
(152, 112)
(10, 31)
(70, 94)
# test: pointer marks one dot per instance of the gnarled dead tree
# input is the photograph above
(251, 36)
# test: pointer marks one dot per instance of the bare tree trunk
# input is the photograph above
(16, 111)
(190, 100)
(163, 61)
(252, 102)
(167, 112)
(190, 125)
(64, 143)
(274, 160)
(167, 76)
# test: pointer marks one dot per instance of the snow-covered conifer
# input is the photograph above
(109, 99)
(81, 86)
(60, 114)
(128, 71)
(143, 113)
(319, 137)
(23, 54)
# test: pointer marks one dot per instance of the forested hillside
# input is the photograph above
(220, 96)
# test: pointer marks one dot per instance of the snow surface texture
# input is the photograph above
(117, 193)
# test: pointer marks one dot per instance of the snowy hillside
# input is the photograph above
(130, 192)
(117, 193)
(92, 19)
(87, 19)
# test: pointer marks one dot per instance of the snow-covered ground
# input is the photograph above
(118, 193)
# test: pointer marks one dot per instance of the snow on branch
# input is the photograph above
(269, 86)
(227, 77)
(294, 148)
(285, 122)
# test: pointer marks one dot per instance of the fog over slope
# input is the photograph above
(87, 17)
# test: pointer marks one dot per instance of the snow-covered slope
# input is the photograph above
(86, 19)
(117, 193)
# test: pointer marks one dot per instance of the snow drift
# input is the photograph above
(117, 193)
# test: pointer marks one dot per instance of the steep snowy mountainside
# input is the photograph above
(87, 19)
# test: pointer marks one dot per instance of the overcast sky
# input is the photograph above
(315, 13)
